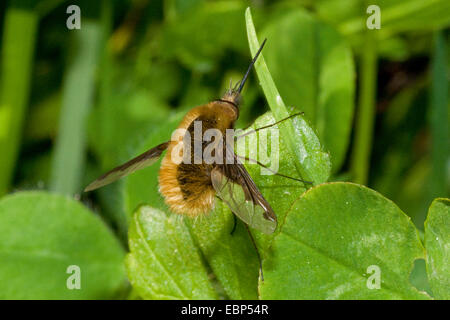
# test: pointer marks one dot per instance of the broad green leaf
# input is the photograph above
(313, 68)
(312, 162)
(403, 23)
(193, 36)
(41, 235)
(231, 257)
(437, 243)
(418, 276)
(272, 150)
(164, 263)
(396, 15)
(335, 241)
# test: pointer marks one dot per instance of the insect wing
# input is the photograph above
(243, 197)
(144, 160)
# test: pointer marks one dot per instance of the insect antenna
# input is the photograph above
(236, 85)
(244, 79)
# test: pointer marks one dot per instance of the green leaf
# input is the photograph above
(192, 36)
(231, 257)
(396, 15)
(41, 235)
(318, 79)
(279, 158)
(331, 238)
(164, 263)
(437, 243)
(312, 162)
(403, 24)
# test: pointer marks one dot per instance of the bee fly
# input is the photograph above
(190, 188)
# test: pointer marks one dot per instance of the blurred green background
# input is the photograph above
(74, 103)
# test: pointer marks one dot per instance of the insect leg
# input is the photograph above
(269, 125)
(257, 252)
(274, 172)
(234, 224)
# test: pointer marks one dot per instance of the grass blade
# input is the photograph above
(365, 115)
(78, 89)
(439, 116)
(17, 56)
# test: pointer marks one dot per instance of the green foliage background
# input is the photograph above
(374, 139)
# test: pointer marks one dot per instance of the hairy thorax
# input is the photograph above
(186, 187)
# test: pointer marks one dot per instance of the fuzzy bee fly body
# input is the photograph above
(190, 187)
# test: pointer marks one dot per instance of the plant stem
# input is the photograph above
(17, 59)
(439, 116)
(78, 90)
(360, 162)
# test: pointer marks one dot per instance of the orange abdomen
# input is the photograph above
(187, 188)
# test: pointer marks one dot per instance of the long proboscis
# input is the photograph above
(244, 79)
